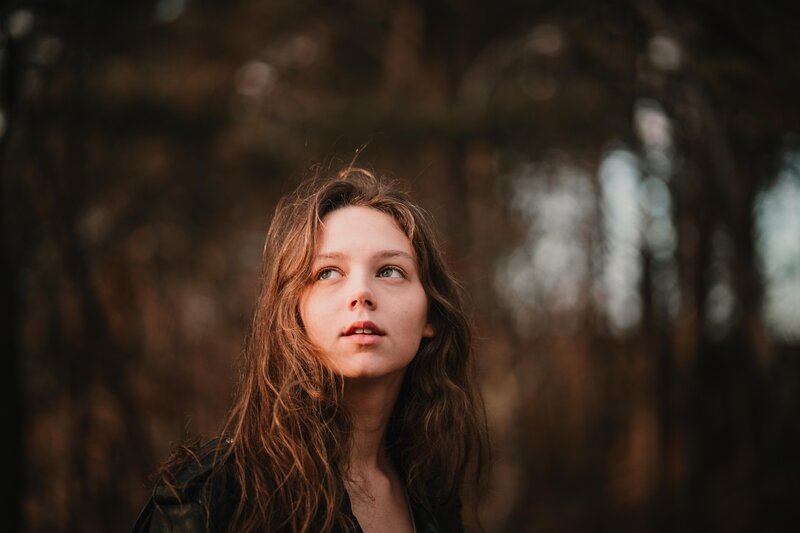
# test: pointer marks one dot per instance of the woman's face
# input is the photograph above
(365, 307)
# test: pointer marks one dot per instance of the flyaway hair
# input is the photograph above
(289, 431)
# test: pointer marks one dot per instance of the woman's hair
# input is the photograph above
(288, 428)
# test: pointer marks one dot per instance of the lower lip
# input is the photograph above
(364, 340)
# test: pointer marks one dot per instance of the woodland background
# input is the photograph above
(617, 181)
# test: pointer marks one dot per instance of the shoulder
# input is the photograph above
(196, 465)
(198, 493)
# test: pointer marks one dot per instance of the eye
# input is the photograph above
(328, 273)
(391, 272)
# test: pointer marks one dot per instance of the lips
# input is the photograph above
(363, 327)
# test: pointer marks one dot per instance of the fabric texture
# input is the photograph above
(206, 494)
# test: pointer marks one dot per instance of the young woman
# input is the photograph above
(357, 408)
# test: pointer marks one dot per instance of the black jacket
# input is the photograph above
(184, 510)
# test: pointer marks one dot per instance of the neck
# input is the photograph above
(370, 403)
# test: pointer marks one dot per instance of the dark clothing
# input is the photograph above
(184, 510)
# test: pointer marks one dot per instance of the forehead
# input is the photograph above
(355, 228)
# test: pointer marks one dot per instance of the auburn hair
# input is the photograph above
(288, 430)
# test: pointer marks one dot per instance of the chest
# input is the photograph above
(382, 511)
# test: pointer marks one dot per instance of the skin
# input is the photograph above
(365, 270)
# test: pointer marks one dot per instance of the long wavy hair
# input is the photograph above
(288, 428)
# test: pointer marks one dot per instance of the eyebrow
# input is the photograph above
(383, 254)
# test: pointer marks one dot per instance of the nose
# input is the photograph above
(362, 296)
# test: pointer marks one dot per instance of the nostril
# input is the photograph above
(361, 300)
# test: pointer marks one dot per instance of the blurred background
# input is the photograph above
(617, 183)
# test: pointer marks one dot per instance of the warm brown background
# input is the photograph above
(618, 184)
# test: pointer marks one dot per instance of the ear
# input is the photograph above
(428, 331)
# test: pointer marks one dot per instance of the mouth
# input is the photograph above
(363, 327)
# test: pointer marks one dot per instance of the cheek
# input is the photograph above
(320, 319)
(415, 311)
(310, 314)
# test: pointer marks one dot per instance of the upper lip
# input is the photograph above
(363, 325)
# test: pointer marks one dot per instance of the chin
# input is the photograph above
(368, 365)
(369, 371)
(366, 373)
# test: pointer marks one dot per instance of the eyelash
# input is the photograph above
(390, 267)
(318, 275)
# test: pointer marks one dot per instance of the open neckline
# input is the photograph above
(409, 507)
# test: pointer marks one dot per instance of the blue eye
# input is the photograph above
(390, 272)
(327, 273)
